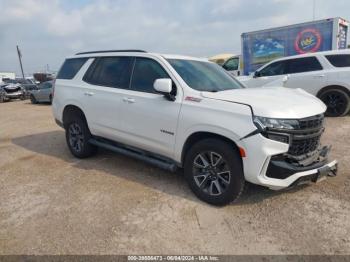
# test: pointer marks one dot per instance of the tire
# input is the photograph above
(33, 100)
(50, 99)
(22, 97)
(2, 99)
(77, 137)
(337, 102)
(218, 179)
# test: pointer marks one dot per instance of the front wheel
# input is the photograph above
(33, 100)
(77, 137)
(214, 172)
(337, 102)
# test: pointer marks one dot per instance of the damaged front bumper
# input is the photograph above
(291, 172)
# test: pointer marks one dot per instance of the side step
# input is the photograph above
(137, 154)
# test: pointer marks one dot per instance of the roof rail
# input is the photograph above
(111, 51)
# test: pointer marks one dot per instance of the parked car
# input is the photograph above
(11, 91)
(324, 74)
(182, 112)
(42, 94)
(26, 84)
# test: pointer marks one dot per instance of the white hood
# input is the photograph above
(274, 102)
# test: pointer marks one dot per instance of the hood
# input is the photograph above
(274, 102)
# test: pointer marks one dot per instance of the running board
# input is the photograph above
(140, 155)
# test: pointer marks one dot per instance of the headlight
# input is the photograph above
(273, 128)
(264, 123)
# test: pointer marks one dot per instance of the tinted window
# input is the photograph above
(231, 64)
(71, 67)
(301, 65)
(274, 69)
(146, 71)
(110, 71)
(46, 85)
(204, 76)
(339, 60)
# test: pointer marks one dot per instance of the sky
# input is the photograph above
(49, 30)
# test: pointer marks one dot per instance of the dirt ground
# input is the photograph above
(52, 203)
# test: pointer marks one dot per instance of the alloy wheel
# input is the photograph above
(211, 173)
(336, 103)
(76, 137)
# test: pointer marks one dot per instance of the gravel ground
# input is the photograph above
(52, 203)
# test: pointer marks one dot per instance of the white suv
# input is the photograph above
(323, 74)
(182, 112)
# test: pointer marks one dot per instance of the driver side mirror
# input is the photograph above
(256, 74)
(164, 86)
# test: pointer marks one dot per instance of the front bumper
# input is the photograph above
(14, 95)
(264, 165)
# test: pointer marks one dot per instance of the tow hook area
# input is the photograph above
(325, 171)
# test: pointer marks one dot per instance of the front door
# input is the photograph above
(149, 119)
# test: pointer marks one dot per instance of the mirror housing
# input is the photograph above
(256, 74)
(164, 86)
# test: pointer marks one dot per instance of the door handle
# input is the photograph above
(129, 100)
(89, 93)
(319, 76)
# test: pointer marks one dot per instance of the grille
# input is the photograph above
(311, 122)
(307, 138)
(304, 146)
(12, 90)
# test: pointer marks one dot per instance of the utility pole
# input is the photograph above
(20, 60)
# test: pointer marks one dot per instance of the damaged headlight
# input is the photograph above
(264, 123)
(273, 128)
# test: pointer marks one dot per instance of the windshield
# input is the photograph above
(204, 76)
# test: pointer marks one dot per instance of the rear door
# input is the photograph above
(306, 73)
(105, 84)
(149, 119)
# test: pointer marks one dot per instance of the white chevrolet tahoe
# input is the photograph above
(323, 74)
(183, 112)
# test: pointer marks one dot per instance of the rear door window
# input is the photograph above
(146, 71)
(302, 65)
(110, 71)
(339, 60)
(71, 67)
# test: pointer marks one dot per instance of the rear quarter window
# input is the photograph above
(71, 67)
(339, 60)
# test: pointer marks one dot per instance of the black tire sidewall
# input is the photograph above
(346, 97)
(233, 159)
(32, 99)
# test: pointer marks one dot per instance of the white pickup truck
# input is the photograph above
(183, 112)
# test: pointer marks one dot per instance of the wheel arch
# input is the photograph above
(71, 111)
(330, 87)
(201, 135)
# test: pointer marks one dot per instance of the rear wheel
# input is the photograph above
(337, 102)
(77, 137)
(33, 100)
(213, 170)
